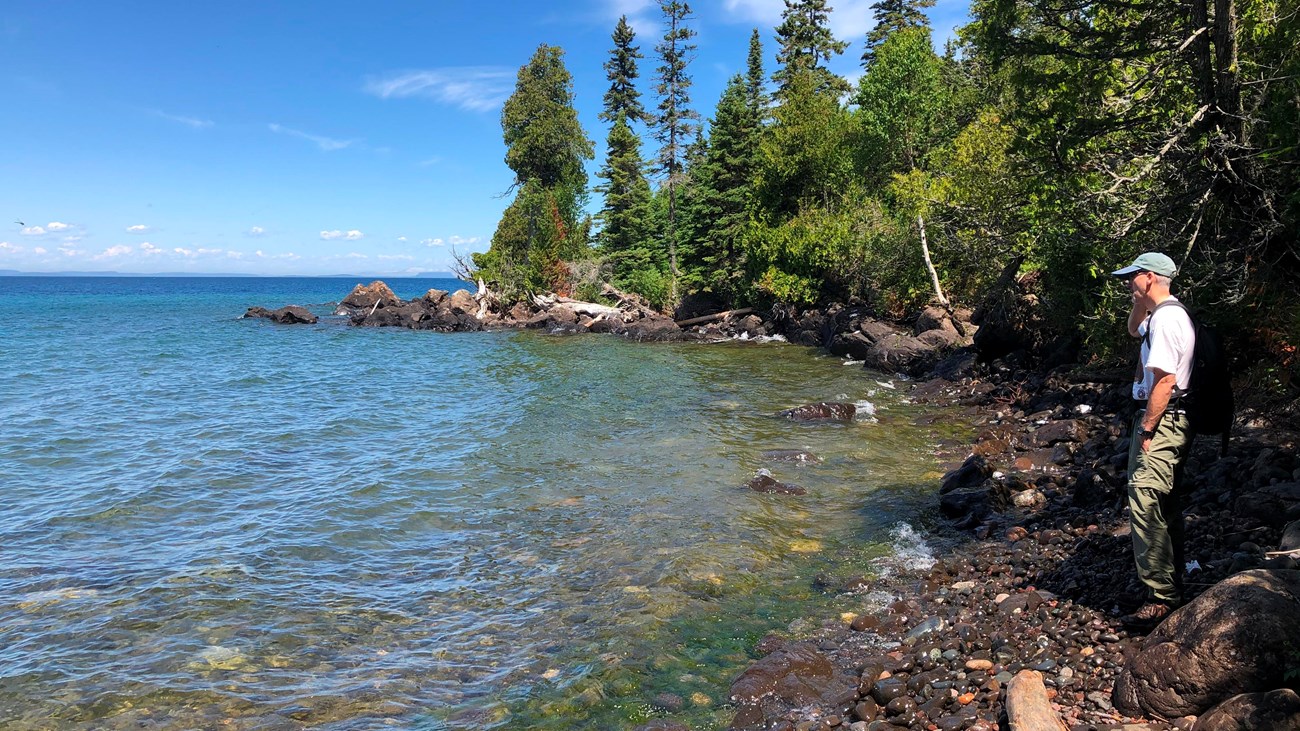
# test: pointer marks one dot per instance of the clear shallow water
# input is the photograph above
(208, 522)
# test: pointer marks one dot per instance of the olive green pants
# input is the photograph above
(1156, 506)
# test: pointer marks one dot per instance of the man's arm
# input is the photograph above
(1135, 318)
(1157, 402)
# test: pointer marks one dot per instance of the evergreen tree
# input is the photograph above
(676, 121)
(807, 44)
(723, 191)
(755, 94)
(623, 97)
(625, 235)
(546, 148)
(891, 16)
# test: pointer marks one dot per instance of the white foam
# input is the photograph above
(886, 384)
(853, 362)
(911, 552)
(864, 409)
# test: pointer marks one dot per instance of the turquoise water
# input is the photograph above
(210, 522)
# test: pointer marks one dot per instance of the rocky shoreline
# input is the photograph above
(1017, 626)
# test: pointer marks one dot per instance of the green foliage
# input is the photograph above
(805, 156)
(902, 105)
(626, 229)
(544, 141)
(676, 125)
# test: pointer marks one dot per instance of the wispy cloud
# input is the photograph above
(395, 257)
(149, 249)
(290, 256)
(191, 122)
(139, 228)
(34, 231)
(353, 235)
(433, 242)
(255, 231)
(9, 248)
(326, 144)
(475, 88)
(49, 228)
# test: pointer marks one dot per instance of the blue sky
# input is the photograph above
(308, 137)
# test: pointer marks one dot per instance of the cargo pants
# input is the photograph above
(1155, 503)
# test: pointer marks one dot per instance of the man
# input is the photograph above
(1161, 434)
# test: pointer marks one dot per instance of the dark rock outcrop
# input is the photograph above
(291, 315)
(1238, 637)
(365, 296)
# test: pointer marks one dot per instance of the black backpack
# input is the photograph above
(1208, 399)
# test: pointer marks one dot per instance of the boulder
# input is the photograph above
(765, 482)
(967, 506)
(1277, 710)
(462, 302)
(855, 345)
(935, 318)
(1274, 504)
(900, 352)
(1237, 637)
(364, 296)
(824, 411)
(291, 315)
(793, 676)
(974, 471)
(1054, 432)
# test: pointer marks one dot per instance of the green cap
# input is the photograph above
(1153, 262)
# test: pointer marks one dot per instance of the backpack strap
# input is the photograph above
(1178, 392)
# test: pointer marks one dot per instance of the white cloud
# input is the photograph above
(235, 254)
(192, 122)
(765, 12)
(432, 242)
(56, 226)
(355, 255)
(9, 248)
(454, 240)
(149, 249)
(255, 231)
(112, 252)
(40, 250)
(72, 238)
(353, 235)
(474, 88)
(289, 256)
(33, 231)
(402, 239)
(849, 19)
(139, 228)
(395, 257)
(326, 144)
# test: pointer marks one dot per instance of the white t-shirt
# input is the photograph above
(1173, 338)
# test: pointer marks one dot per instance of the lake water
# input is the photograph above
(210, 522)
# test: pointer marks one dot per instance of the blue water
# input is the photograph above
(211, 522)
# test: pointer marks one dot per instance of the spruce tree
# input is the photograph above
(623, 97)
(806, 44)
(676, 125)
(755, 94)
(626, 229)
(892, 16)
(546, 148)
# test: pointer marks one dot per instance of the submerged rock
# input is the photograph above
(824, 411)
(797, 456)
(765, 482)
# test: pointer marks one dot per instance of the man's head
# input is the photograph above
(1149, 276)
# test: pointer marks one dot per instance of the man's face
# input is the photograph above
(1139, 285)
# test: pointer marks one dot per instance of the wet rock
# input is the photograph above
(887, 689)
(1277, 710)
(765, 482)
(824, 411)
(853, 345)
(967, 506)
(291, 315)
(1232, 639)
(796, 675)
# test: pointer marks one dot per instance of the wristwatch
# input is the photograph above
(1148, 433)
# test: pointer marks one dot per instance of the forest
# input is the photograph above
(1057, 137)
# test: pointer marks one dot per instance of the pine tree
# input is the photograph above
(892, 16)
(755, 94)
(676, 121)
(806, 45)
(623, 97)
(546, 148)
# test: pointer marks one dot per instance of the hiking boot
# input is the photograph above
(1147, 616)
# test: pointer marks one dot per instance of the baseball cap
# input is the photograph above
(1153, 262)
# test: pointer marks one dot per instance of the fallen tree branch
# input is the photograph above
(703, 319)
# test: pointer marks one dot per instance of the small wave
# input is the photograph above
(911, 552)
(886, 384)
(745, 337)
(865, 409)
(851, 362)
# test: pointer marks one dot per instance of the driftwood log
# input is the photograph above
(1027, 706)
(578, 307)
(704, 319)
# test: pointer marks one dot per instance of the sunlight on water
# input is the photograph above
(219, 523)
